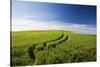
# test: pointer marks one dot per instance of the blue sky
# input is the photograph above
(28, 15)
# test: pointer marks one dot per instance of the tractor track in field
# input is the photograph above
(60, 40)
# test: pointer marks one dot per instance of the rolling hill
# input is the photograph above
(51, 47)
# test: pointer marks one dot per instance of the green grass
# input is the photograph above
(52, 47)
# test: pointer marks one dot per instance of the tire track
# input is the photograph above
(52, 43)
(31, 53)
(56, 39)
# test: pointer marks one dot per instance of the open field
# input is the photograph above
(51, 47)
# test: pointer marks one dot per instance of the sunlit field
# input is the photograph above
(51, 47)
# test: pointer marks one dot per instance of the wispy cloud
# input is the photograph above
(23, 23)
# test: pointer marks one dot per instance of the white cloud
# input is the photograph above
(21, 23)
